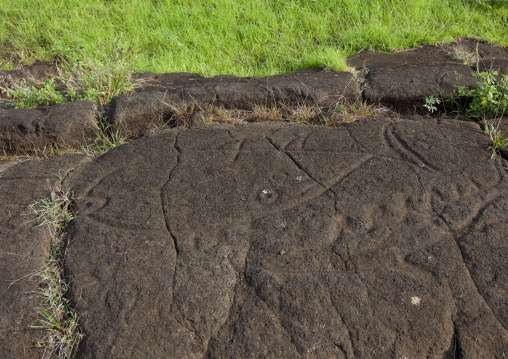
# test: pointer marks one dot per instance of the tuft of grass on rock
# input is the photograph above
(36, 152)
(267, 113)
(498, 138)
(57, 318)
(100, 77)
(343, 112)
(105, 139)
(346, 111)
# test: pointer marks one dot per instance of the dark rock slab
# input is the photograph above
(153, 81)
(403, 79)
(319, 88)
(23, 249)
(465, 51)
(168, 94)
(426, 54)
(405, 87)
(379, 239)
(132, 114)
(70, 124)
(137, 112)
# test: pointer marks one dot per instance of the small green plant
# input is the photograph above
(430, 103)
(489, 99)
(105, 140)
(57, 318)
(499, 142)
(30, 97)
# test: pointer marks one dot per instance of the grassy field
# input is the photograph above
(242, 37)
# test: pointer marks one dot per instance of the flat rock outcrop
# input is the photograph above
(67, 124)
(380, 238)
(404, 86)
(402, 80)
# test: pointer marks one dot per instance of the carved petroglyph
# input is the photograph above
(295, 241)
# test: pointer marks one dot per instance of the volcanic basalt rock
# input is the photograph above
(380, 238)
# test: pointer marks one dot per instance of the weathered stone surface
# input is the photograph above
(422, 55)
(62, 124)
(312, 87)
(23, 249)
(166, 95)
(461, 51)
(382, 238)
(137, 112)
(403, 79)
(405, 87)
(161, 81)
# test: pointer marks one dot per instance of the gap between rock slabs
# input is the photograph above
(57, 320)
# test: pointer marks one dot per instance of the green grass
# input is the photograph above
(31, 96)
(498, 138)
(57, 318)
(98, 78)
(105, 139)
(241, 37)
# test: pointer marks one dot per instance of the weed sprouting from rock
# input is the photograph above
(430, 103)
(32, 96)
(498, 138)
(489, 99)
(105, 140)
(103, 76)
